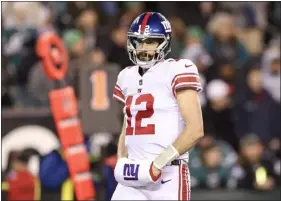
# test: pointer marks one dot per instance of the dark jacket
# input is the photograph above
(222, 124)
(232, 51)
(256, 113)
(251, 171)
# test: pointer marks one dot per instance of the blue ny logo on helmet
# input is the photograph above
(150, 25)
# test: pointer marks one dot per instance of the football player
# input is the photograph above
(162, 115)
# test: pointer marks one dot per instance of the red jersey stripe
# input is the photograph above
(117, 87)
(192, 79)
(187, 86)
(182, 74)
(118, 94)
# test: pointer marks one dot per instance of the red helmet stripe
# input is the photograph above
(144, 21)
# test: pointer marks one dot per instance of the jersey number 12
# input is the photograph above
(149, 129)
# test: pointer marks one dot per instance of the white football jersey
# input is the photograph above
(151, 110)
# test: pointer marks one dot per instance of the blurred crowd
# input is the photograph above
(235, 45)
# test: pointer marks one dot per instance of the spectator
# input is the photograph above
(75, 8)
(229, 156)
(27, 59)
(6, 98)
(87, 22)
(13, 154)
(178, 34)
(250, 20)
(248, 14)
(211, 174)
(257, 172)
(39, 85)
(54, 171)
(111, 8)
(108, 169)
(20, 15)
(75, 43)
(227, 72)
(271, 81)
(207, 10)
(271, 69)
(96, 57)
(274, 23)
(67, 13)
(222, 43)
(20, 181)
(114, 46)
(253, 111)
(218, 113)
(133, 9)
(274, 147)
(19, 20)
(192, 13)
(194, 50)
(274, 155)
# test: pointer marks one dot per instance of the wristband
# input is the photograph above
(167, 156)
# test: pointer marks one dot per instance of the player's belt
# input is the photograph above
(177, 162)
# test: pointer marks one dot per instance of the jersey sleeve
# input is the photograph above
(185, 75)
(117, 92)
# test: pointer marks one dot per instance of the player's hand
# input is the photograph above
(155, 171)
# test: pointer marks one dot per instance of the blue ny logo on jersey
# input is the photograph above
(131, 171)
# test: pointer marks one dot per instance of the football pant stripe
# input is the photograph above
(180, 180)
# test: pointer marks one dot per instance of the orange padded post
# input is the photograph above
(83, 187)
(54, 59)
(65, 110)
(78, 162)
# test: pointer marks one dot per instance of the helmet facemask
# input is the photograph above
(146, 55)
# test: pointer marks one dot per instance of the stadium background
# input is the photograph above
(236, 46)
